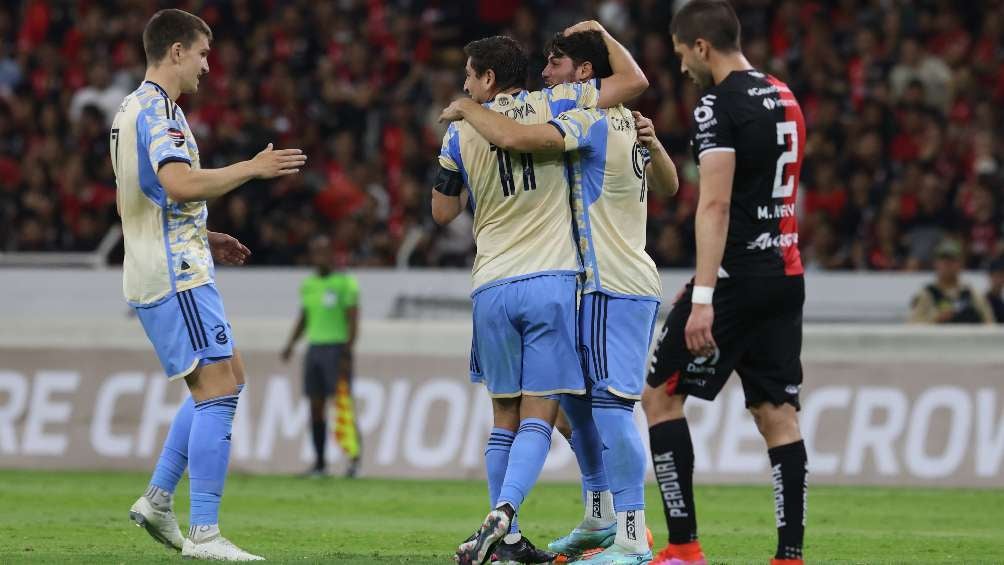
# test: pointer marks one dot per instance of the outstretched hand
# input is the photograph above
(227, 250)
(271, 163)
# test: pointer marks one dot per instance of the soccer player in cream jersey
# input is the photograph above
(525, 271)
(614, 154)
(168, 276)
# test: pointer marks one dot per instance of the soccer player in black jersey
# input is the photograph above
(743, 309)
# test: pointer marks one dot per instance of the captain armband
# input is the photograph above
(448, 183)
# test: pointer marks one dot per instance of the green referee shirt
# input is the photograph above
(326, 303)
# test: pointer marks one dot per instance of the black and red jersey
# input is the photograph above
(757, 117)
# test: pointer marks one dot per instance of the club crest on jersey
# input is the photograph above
(177, 136)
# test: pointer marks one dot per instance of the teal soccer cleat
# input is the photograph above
(616, 555)
(581, 540)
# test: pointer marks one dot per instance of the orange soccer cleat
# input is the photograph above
(681, 554)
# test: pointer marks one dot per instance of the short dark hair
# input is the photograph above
(501, 54)
(168, 27)
(711, 20)
(580, 47)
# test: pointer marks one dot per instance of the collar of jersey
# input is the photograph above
(517, 96)
(157, 86)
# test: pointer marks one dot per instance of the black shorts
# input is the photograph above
(758, 330)
(321, 368)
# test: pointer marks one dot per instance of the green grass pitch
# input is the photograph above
(81, 517)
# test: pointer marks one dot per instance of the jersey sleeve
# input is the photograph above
(449, 181)
(714, 127)
(449, 153)
(163, 137)
(579, 127)
(351, 298)
(567, 96)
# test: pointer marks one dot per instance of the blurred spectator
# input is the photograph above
(947, 300)
(995, 294)
(902, 103)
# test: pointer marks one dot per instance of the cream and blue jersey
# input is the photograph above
(522, 217)
(609, 192)
(166, 243)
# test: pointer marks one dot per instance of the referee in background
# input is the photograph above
(329, 313)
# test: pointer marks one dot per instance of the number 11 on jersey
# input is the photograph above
(505, 171)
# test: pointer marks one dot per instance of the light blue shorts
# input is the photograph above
(524, 338)
(188, 329)
(616, 334)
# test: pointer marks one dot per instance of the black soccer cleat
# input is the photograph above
(522, 551)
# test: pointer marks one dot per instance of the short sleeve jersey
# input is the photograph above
(609, 195)
(756, 116)
(522, 216)
(326, 303)
(166, 242)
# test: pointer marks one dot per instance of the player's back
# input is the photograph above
(166, 245)
(757, 117)
(522, 215)
(609, 191)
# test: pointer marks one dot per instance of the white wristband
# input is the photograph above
(702, 294)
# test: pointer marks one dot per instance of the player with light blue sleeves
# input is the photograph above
(525, 274)
(169, 276)
(613, 151)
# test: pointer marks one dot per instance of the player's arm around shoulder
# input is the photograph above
(660, 167)
(502, 131)
(185, 184)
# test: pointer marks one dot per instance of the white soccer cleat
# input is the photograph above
(162, 525)
(217, 548)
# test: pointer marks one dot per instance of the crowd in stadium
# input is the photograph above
(902, 101)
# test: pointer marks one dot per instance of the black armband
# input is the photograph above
(448, 183)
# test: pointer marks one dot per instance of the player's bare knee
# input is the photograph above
(778, 424)
(661, 407)
(212, 380)
(563, 426)
(539, 407)
(505, 413)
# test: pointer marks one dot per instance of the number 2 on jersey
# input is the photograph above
(784, 186)
(505, 171)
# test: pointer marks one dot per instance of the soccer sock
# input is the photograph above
(789, 474)
(631, 532)
(209, 455)
(318, 432)
(526, 459)
(496, 461)
(673, 460)
(174, 455)
(588, 449)
(624, 460)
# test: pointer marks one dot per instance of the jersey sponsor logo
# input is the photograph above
(519, 112)
(706, 125)
(762, 91)
(779, 211)
(769, 103)
(621, 124)
(767, 241)
(177, 136)
(704, 112)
